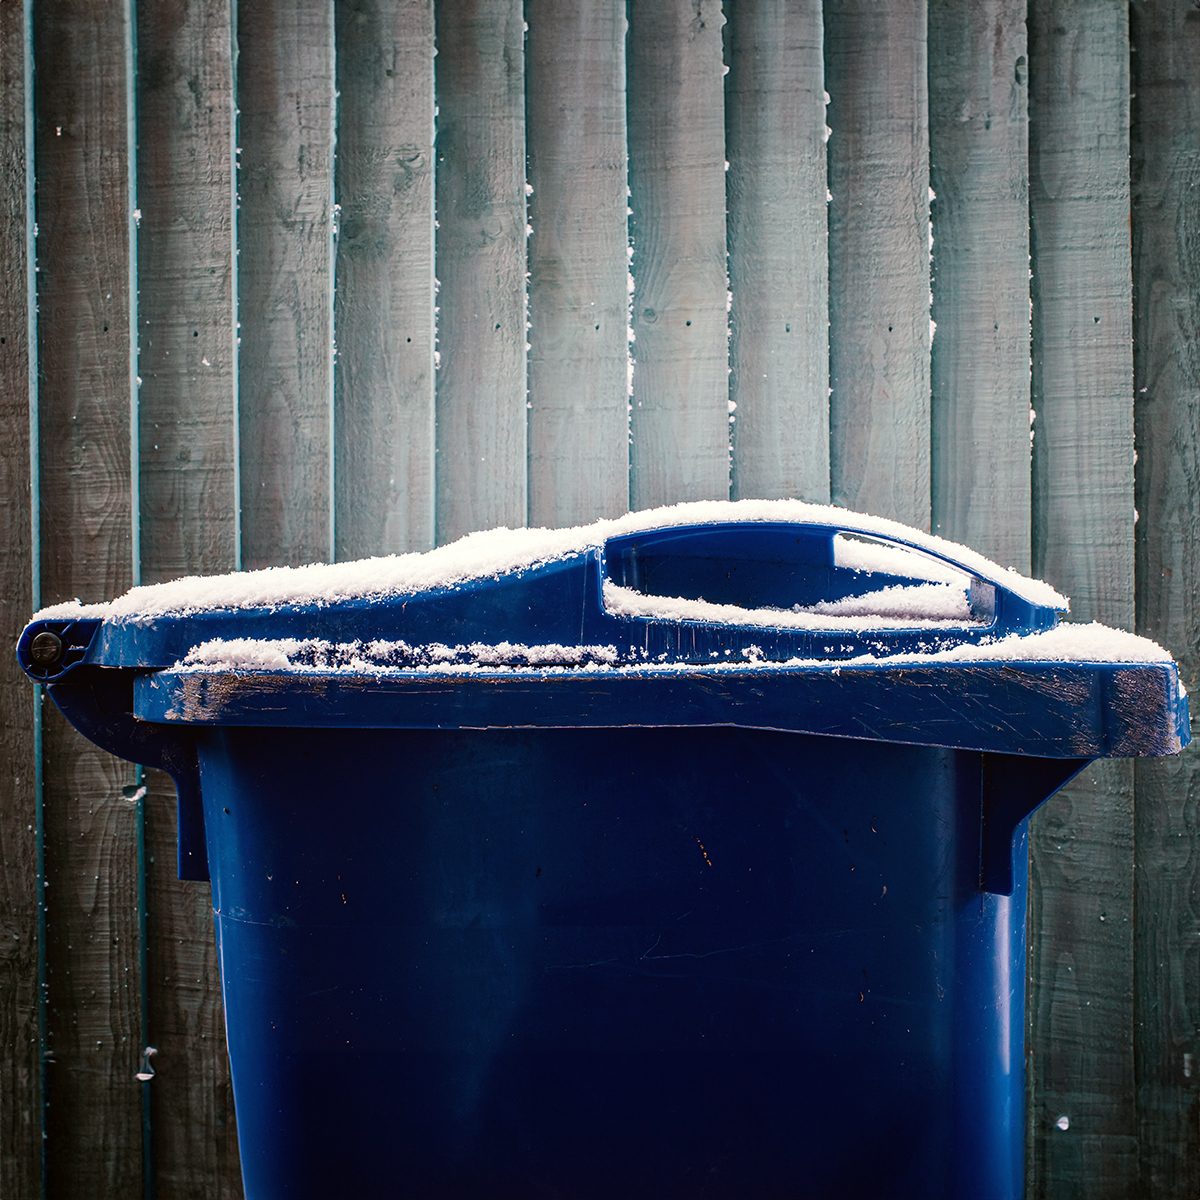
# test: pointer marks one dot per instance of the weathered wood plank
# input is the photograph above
(680, 417)
(1082, 930)
(578, 300)
(285, 263)
(94, 1136)
(875, 73)
(20, 1101)
(978, 149)
(480, 248)
(778, 259)
(384, 412)
(188, 490)
(1165, 38)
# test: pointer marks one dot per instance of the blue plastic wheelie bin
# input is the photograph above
(687, 862)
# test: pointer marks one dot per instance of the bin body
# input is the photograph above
(598, 963)
(645, 860)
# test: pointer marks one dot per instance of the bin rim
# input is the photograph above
(1045, 709)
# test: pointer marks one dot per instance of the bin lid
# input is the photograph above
(770, 614)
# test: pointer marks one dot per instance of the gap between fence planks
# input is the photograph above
(875, 72)
(578, 299)
(20, 1101)
(285, 226)
(384, 378)
(1165, 49)
(480, 249)
(94, 1133)
(679, 425)
(188, 492)
(979, 177)
(778, 260)
(1083, 499)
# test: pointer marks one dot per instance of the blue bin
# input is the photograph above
(633, 870)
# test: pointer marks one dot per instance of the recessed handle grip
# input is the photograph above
(761, 581)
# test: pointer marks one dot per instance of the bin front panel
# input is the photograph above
(591, 963)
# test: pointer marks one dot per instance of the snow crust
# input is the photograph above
(318, 655)
(1083, 643)
(497, 551)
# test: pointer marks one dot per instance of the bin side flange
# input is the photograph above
(1011, 787)
(98, 701)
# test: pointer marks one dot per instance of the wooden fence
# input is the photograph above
(278, 283)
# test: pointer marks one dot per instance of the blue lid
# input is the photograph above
(770, 623)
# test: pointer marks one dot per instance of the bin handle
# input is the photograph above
(991, 589)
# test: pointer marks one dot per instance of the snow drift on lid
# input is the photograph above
(497, 551)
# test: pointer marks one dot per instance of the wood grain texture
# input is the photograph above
(384, 407)
(978, 154)
(680, 419)
(95, 1040)
(480, 248)
(20, 1102)
(578, 299)
(778, 258)
(1165, 38)
(1082, 921)
(285, 263)
(875, 73)
(189, 526)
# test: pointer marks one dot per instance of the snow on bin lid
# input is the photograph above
(767, 614)
(499, 551)
(1082, 643)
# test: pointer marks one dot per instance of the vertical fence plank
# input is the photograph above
(1166, 288)
(579, 408)
(94, 1114)
(285, 182)
(383, 413)
(20, 1116)
(481, 384)
(680, 417)
(875, 72)
(188, 491)
(778, 260)
(1082, 931)
(978, 148)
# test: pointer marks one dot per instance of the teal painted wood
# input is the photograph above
(285, 181)
(1165, 39)
(188, 491)
(778, 261)
(680, 420)
(875, 73)
(93, 1127)
(578, 300)
(1082, 914)
(480, 251)
(383, 412)
(978, 154)
(20, 1066)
